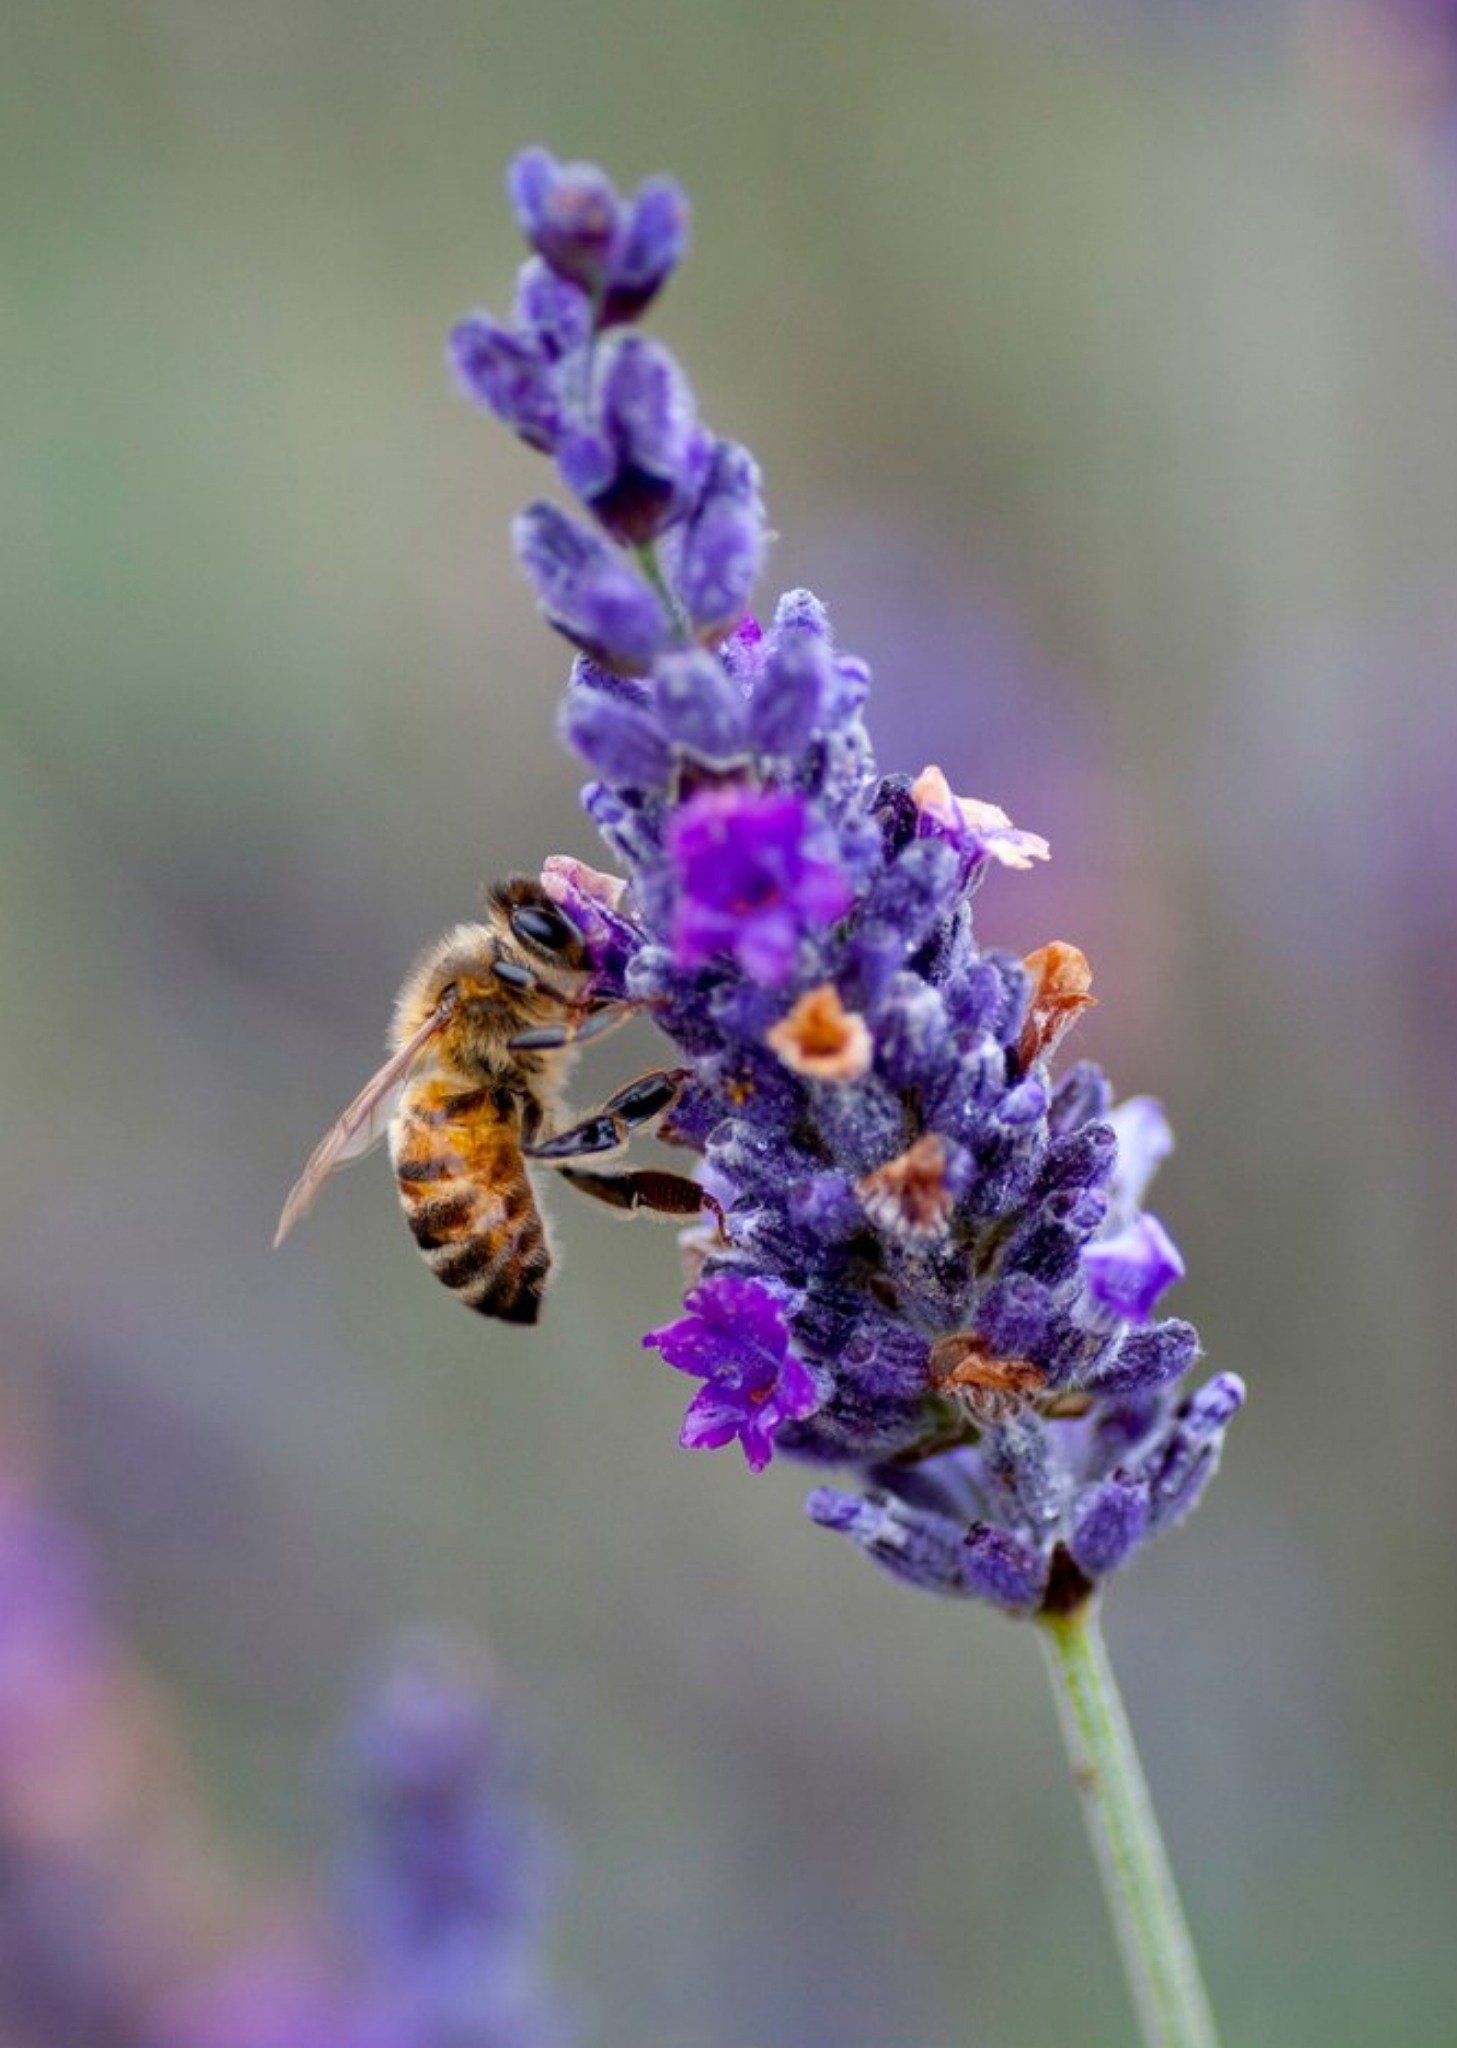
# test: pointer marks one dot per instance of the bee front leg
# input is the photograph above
(648, 1190)
(577, 1026)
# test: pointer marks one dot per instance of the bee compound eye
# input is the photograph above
(542, 925)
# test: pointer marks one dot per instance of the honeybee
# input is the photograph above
(485, 1029)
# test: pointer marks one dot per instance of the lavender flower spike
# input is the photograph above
(930, 1264)
(936, 1269)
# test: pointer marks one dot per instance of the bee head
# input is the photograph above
(538, 927)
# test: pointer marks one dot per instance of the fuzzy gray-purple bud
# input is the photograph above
(723, 544)
(588, 592)
(701, 709)
(655, 238)
(621, 740)
(508, 374)
(641, 458)
(790, 693)
(1109, 1523)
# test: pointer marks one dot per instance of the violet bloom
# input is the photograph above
(736, 1339)
(935, 1270)
(1127, 1273)
(747, 884)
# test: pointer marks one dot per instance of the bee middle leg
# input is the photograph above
(637, 1107)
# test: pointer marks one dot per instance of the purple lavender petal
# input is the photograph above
(736, 1338)
(1144, 1142)
(712, 1419)
(1126, 1273)
(747, 883)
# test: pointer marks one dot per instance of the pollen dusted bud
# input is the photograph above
(1062, 983)
(822, 1040)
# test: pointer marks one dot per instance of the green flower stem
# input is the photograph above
(1158, 1955)
(652, 568)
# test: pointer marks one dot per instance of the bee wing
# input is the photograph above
(361, 1126)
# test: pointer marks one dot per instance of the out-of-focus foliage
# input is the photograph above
(1108, 348)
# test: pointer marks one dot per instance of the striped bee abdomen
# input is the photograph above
(464, 1189)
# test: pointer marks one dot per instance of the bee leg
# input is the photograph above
(580, 1025)
(646, 1189)
(637, 1107)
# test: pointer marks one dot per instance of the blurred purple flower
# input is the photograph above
(442, 1895)
(1395, 63)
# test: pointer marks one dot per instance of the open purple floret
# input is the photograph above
(936, 1270)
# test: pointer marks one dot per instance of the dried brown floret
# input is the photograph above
(908, 1196)
(1062, 984)
(823, 1040)
(988, 1388)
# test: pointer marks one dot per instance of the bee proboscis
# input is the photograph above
(486, 1026)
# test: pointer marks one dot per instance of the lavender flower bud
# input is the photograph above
(508, 374)
(654, 241)
(641, 459)
(1189, 1457)
(701, 709)
(588, 593)
(555, 312)
(923, 1550)
(569, 213)
(723, 544)
(1109, 1523)
(1148, 1359)
(622, 741)
(572, 216)
(1003, 1569)
(790, 694)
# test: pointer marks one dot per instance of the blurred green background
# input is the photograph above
(1104, 381)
